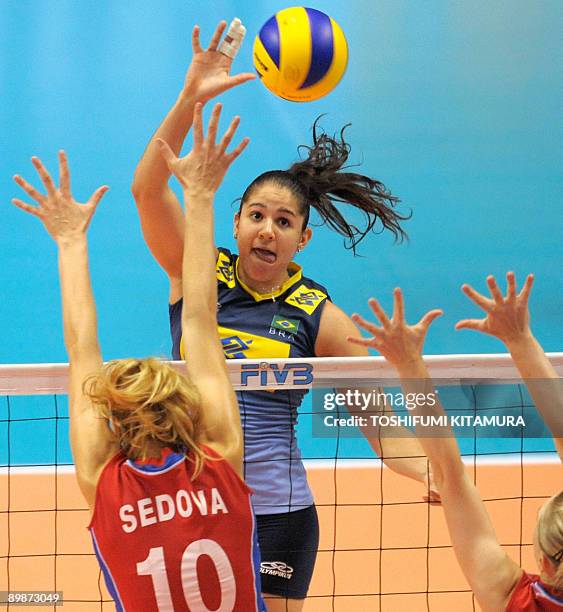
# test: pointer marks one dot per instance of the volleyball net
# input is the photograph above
(382, 546)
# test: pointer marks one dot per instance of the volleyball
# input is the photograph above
(300, 54)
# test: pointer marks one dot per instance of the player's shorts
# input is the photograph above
(288, 546)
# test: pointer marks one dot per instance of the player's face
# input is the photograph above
(269, 231)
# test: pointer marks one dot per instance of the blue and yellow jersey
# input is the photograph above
(256, 326)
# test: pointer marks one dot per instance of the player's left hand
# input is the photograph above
(396, 340)
(62, 216)
(202, 170)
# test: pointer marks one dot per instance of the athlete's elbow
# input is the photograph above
(144, 192)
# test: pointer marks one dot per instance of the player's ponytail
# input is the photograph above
(550, 536)
(148, 404)
(320, 181)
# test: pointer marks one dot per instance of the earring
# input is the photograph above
(298, 249)
(235, 235)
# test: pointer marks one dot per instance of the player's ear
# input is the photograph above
(306, 235)
(236, 221)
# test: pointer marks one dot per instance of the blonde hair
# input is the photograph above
(148, 404)
(550, 536)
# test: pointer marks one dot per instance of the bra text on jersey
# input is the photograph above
(148, 511)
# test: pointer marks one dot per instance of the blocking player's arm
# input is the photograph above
(398, 447)
(159, 209)
(220, 419)
(543, 383)
(491, 573)
(508, 319)
(200, 173)
(67, 221)
(488, 569)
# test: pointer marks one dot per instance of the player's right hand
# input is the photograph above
(507, 317)
(209, 73)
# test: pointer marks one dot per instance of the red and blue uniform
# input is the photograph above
(168, 543)
(532, 595)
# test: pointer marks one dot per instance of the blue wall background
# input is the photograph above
(454, 105)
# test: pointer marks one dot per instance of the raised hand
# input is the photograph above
(209, 73)
(508, 318)
(205, 166)
(397, 341)
(62, 216)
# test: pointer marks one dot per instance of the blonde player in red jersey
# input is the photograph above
(158, 455)
(498, 582)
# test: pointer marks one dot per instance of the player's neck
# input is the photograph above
(263, 287)
(153, 451)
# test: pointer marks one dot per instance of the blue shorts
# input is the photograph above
(288, 546)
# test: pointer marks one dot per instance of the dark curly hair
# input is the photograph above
(319, 181)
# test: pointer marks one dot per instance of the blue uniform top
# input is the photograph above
(253, 326)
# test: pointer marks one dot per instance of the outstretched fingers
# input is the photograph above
(64, 174)
(29, 189)
(217, 36)
(97, 196)
(475, 324)
(197, 125)
(238, 150)
(32, 210)
(196, 45)
(495, 291)
(45, 176)
(398, 305)
(367, 342)
(429, 317)
(228, 135)
(213, 125)
(379, 312)
(511, 286)
(527, 288)
(367, 325)
(166, 152)
(476, 297)
(239, 79)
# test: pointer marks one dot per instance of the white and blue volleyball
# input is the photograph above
(300, 54)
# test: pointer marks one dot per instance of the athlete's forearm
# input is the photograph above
(79, 310)
(160, 212)
(198, 279)
(152, 174)
(403, 454)
(441, 450)
(542, 381)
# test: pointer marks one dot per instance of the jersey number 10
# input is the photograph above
(155, 567)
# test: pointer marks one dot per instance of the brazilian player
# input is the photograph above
(268, 308)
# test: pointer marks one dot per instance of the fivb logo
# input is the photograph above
(273, 374)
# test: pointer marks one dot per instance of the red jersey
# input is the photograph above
(167, 543)
(532, 595)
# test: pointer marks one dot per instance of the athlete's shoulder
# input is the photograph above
(307, 295)
(225, 267)
(530, 594)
